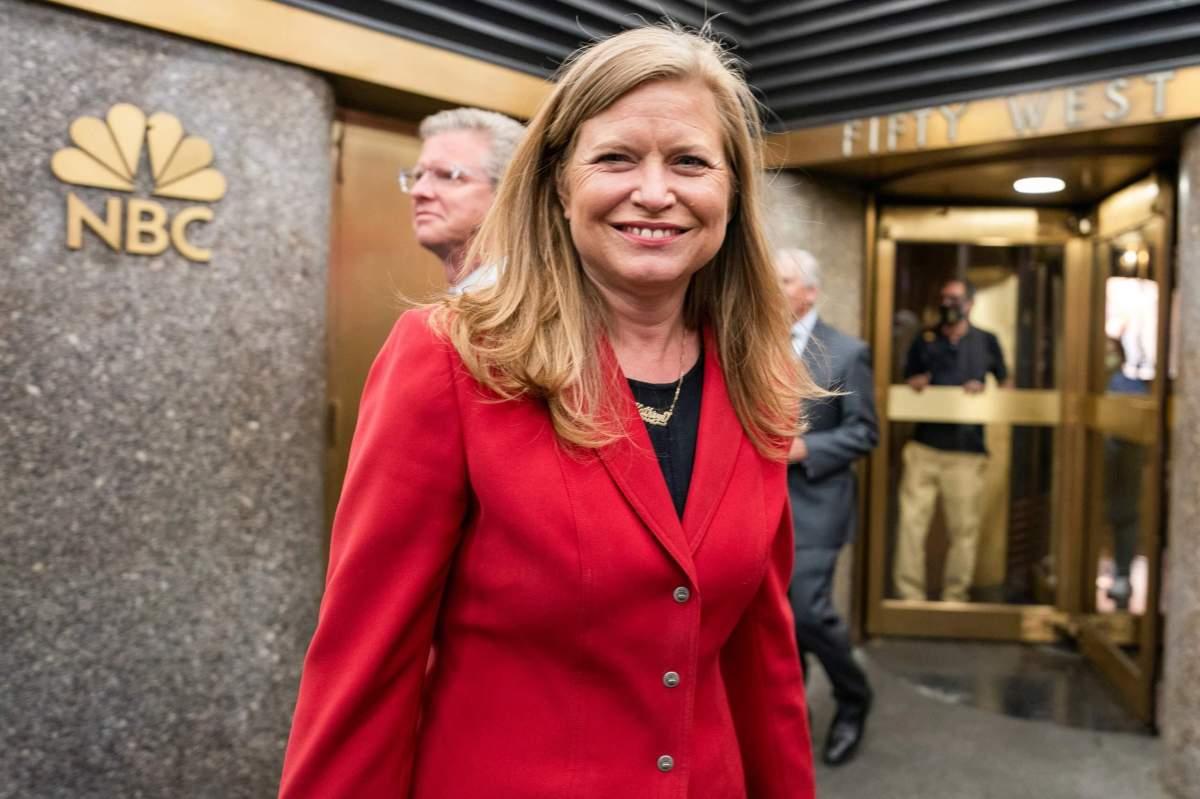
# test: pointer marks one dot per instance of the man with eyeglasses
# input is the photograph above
(946, 458)
(464, 152)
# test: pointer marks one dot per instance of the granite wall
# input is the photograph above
(160, 424)
(827, 218)
(1179, 706)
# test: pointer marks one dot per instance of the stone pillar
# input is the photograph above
(160, 418)
(1179, 708)
(827, 218)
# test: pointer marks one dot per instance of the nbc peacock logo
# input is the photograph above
(107, 154)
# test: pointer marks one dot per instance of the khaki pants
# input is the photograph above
(958, 477)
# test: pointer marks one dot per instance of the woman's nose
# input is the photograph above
(653, 191)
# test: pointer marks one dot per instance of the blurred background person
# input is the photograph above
(1123, 465)
(464, 152)
(945, 459)
(823, 488)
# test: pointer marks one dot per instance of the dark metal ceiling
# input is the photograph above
(817, 61)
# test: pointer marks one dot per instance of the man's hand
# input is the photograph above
(918, 382)
(798, 451)
(973, 387)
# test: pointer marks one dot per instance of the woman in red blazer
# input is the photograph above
(570, 486)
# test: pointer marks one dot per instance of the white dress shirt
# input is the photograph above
(479, 278)
(802, 331)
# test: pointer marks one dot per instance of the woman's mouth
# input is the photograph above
(657, 233)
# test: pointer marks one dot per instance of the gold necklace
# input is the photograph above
(653, 415)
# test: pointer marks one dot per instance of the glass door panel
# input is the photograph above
(964, 528)
(1029, 511)
(1126, 420)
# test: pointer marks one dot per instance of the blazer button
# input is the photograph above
(666, 763)
(671, 679)
(682, 594)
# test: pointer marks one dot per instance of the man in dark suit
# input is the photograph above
(823, 491)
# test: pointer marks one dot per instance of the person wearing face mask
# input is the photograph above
(945, 459)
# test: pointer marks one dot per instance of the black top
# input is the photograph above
(675, 444)
(975, 354)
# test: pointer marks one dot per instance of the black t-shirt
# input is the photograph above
(976, 353)
(675, 444)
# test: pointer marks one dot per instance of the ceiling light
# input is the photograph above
(1040, 185)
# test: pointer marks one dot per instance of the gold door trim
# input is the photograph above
(1118, 668)
(1134, 419)
(984, 226)
(994, 406)
(971, 620)
(1072, 433)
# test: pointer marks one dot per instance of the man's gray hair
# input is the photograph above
(505, 133)
(800, 262)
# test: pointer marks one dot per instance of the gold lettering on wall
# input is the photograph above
(146, 230)
(1130, 100)
(108, 229)
(179, 226)
(107, 155)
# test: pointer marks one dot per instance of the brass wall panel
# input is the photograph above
(376, 268)
(339, 48)
(992, 406)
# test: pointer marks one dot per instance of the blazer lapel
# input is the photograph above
(633, 466)
(718, 442)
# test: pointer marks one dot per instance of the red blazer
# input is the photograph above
(581, 632)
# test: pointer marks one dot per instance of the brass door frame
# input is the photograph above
(376, 268)
(1148, 203)
(1061, 408)
(1080, 414)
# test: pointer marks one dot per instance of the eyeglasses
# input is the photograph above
(442, 176)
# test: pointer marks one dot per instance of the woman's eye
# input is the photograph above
(691, 162)
(612, 158)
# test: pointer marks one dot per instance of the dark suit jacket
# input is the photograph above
(841, 429)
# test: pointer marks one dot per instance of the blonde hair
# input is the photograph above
(539, 330)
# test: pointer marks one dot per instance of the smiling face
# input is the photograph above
(646, 189)
(446, 215)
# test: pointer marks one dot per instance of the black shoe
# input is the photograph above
(844, 736)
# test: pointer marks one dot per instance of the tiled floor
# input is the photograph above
(930, 737)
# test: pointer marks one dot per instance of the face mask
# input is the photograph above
(951, 313)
